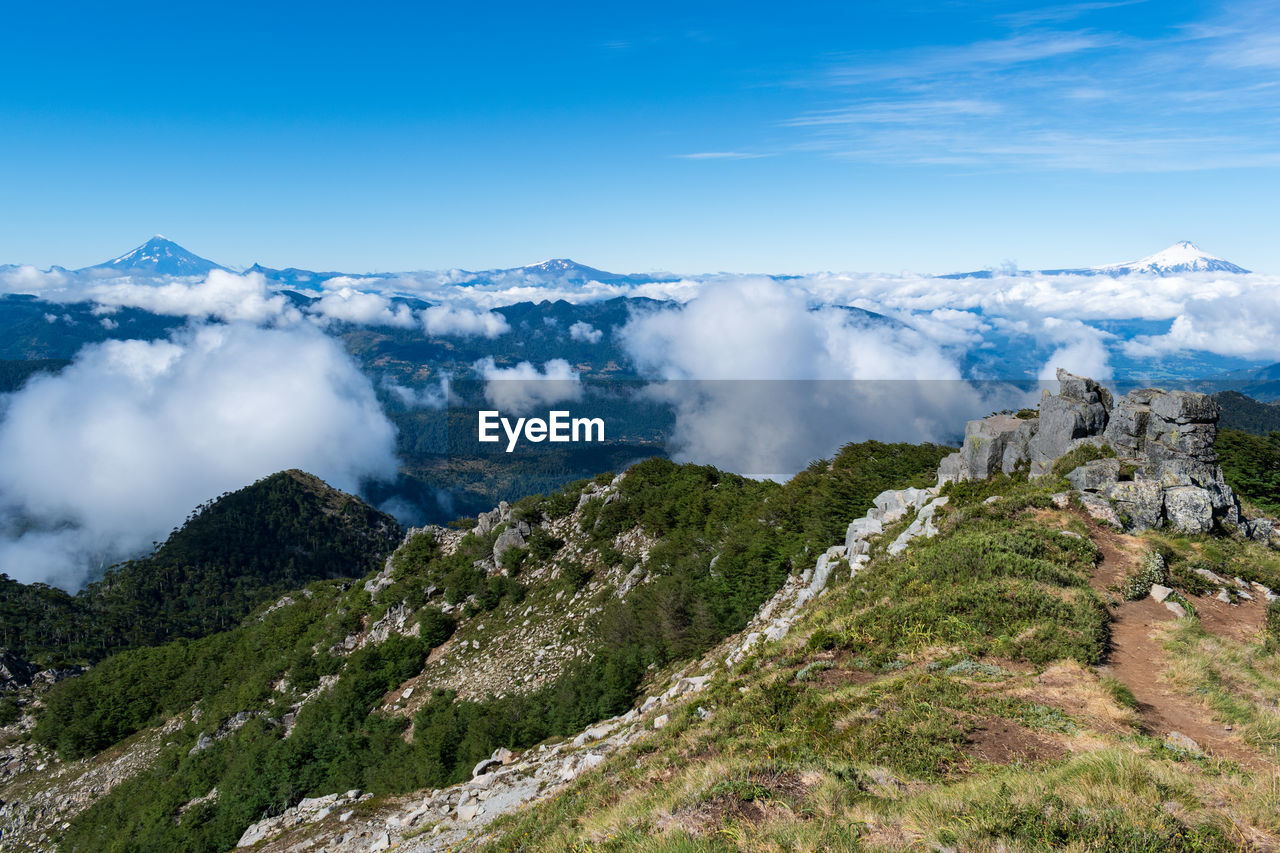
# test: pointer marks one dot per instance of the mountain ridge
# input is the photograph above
(160, 256)
(954, 644)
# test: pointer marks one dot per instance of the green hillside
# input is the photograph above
(232, 554)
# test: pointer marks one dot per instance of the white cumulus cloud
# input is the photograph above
(109, 455)
(222, 295)
(348, 305)
(461, 321)
(763, 383)
(524, 387)
(585, 333)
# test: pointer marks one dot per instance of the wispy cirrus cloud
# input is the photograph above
(1197, 94)
(1063, 13)
(722, 155)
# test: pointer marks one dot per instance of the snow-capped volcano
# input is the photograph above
(563, 271)
(158, 256)
(569, 270)
(1182, 257)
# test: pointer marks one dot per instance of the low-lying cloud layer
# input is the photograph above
(763, 384)
(104, 458)
(1234, 316)
(764, 374)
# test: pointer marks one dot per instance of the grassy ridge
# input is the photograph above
(940, 699)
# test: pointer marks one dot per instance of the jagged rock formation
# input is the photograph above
(14, 671)
(1156, 461)
(776, 616)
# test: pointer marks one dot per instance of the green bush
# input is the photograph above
(1082, 455)
(513, 559)
(810, 671)
(542, 545)
(1152, 571)
(574, 575)
(992, 587)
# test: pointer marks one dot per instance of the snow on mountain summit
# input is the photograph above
(563, 266)
(158, 256)
(1181, 257)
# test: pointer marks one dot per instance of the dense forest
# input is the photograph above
(15, 372)
(1251, 466)
(1239, 412)
(232, 554)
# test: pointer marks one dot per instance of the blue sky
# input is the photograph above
(687, 136)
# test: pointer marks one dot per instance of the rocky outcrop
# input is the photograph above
(985, 443)
(513, 537)
(775, 617)
(1157, 467)
(14, 671)
(1076, 414)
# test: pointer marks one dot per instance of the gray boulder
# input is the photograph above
(507, 539)
(484, 765)
(1078, 412)
(892, 504)
(953, 469)
(15, 672)
(1126, 429)
(1139, 503)
(1100, 508)
(1184, 472)
(1166, 440)
(1082, 389)
(1185, 407)
(985, 442)
(1188, 509)
(859, 530)
(1095, 476)
(1155, 426)
(1017, 453)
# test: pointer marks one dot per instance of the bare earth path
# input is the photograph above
(1137, 658)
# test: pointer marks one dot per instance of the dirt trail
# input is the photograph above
(1137, 658)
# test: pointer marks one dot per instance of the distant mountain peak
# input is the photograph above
(1183, 256)
(559, 265)
(158, 256)
(569, 271)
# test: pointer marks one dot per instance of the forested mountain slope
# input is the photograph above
(232, 554)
